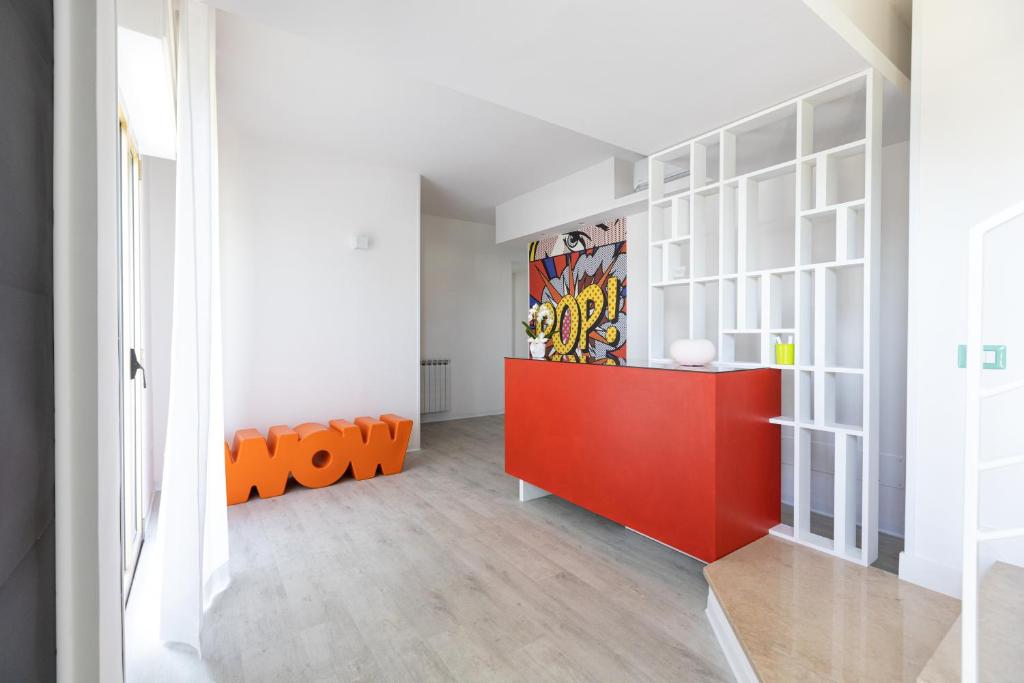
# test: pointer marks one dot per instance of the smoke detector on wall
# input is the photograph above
(361, 242)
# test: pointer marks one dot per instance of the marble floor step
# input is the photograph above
(795, 614)
(1000, 632)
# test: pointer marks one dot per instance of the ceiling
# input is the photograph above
(472, 155)
(488, 100)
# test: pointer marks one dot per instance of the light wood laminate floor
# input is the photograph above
(438, 573)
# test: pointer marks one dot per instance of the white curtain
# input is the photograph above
(193, 508)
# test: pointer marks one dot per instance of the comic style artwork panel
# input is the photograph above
(582, 238)
(578, 280)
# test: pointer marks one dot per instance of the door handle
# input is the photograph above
(135, 367)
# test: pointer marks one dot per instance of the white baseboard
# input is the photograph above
(930, 574)
(738, 661)
(426, 419)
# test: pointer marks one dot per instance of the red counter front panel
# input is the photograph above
(686, 458)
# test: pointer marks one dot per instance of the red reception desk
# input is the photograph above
(684, 456)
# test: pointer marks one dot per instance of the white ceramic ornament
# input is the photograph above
(692, 351)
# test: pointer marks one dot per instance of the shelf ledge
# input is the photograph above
(670, 240)
(837, 370)
(834, 427)
(833, 264)
(832, 207)
(765, 173)
(845, 149)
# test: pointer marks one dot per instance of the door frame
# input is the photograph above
(131, 415)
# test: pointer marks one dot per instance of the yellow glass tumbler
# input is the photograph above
(784, 354)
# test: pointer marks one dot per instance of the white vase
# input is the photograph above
(692, 351)
(538, 348)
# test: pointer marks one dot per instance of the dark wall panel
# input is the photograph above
(27, 579)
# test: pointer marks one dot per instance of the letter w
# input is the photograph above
(256, 464)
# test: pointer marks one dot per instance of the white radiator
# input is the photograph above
(435, 386)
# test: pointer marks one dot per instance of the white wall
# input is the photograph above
(892, 402)
(594, 194)
(966, 163)
(75, 313)
(520, 309)
(158, 280)
(638, 255)
(313, 329)
(86, 373)
(467, 310)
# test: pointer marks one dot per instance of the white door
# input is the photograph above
(993, 524)
(130, 350)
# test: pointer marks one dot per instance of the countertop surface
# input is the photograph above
(712, 368)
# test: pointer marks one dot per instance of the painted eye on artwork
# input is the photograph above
(575, 240)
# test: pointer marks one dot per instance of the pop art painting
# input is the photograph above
(578, 279)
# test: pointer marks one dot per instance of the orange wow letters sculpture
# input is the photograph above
(314, 455)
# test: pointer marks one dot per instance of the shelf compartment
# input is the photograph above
(849, 462)
(730, 228)
(805, 319)
(845, 173)
(850, 232)
(741, 347)
(788, 377)
(805, 402)
(657, 263)
(844, 328)
(822, 454)
(786, 450)
(677, 260)
(670, 317)
(681, 217)
(818, 238)
(844, 400)
(661, 222)
(670, 172)
(808, 178)
(705, 160)
(728, 317)
(752, 303)
(705, 232)
(769, 219)
(705, 312)
(761, 141)
(836, 116)
(782, 294)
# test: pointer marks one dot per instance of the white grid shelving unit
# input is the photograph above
(775, 233)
